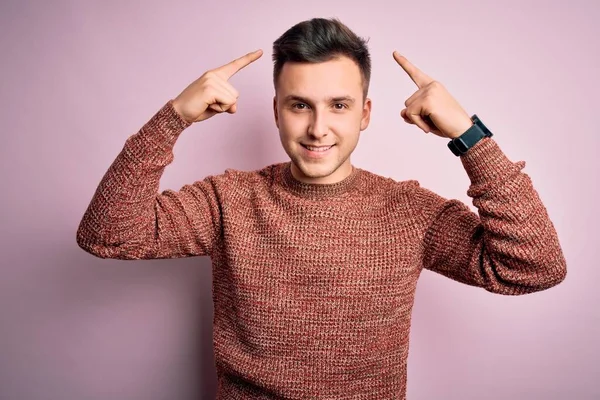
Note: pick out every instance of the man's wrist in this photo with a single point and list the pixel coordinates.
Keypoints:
(460, 145)
(468, 124)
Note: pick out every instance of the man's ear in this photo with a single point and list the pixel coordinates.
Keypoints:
(275, 114)
(366, 114)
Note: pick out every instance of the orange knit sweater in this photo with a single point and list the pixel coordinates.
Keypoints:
(314, 285)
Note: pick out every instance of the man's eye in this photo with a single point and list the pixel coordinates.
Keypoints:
(339, 106)
(299, 106)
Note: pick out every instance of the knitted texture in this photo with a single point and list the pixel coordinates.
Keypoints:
(313, 285)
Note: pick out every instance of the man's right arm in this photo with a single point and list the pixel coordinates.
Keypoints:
(127, 217)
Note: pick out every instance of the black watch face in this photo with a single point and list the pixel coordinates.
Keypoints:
(484, 129)
(461, 145)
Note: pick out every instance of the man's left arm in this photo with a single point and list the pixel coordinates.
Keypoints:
(510, 246)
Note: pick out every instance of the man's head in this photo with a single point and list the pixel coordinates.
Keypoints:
(321, 77)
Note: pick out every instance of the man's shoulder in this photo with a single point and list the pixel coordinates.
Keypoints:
(394, 193)
(384, 185)
(241, 178)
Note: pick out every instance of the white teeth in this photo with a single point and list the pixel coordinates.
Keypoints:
(318, 148)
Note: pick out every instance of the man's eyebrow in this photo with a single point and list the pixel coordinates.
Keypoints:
(330, 99)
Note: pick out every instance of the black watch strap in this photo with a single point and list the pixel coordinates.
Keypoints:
(474, 134)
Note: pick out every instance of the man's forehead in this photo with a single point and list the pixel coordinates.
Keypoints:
(337, 64)
(327, 98)
(334, 78)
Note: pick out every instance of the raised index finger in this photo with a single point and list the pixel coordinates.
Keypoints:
(419, 77)
(228, 70)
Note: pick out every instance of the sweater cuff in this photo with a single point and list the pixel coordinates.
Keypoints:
(158, 136)
(486, 163)
(167, 124)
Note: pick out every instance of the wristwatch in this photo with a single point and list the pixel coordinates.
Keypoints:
(474, 134)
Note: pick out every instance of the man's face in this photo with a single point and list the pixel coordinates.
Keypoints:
(320, 105)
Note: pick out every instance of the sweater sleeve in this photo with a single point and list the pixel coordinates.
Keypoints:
(510, 246)
(127, 217)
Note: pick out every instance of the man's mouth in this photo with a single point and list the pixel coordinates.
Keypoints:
(317, 148)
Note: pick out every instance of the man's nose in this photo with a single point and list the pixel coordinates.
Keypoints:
(318, 127)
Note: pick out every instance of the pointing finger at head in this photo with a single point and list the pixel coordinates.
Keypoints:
(227, 87)
(418, 77)
(228, 70)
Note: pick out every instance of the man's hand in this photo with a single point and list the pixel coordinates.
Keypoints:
(431, 107)
(212, 93)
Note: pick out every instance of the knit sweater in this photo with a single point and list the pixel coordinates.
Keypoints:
(313, 284)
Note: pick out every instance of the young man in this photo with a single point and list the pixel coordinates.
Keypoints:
(315, 261)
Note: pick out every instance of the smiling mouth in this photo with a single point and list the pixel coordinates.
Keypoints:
(317, 148)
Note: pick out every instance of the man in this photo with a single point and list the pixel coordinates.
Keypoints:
(315, 261)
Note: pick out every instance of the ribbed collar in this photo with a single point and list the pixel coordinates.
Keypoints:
(319, 190)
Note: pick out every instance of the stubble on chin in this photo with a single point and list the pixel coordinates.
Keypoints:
(316, 171)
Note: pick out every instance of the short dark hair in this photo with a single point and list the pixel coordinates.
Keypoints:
(319, 40)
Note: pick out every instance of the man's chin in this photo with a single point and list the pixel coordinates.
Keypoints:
(315, 170)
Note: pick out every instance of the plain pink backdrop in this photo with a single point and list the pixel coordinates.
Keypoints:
(78, 78)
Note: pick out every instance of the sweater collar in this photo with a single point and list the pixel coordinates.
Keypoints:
(319, 190)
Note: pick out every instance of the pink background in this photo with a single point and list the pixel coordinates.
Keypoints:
(79, 77)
